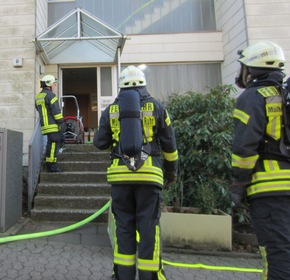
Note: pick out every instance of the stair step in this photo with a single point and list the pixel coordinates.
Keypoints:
(74, 177)
(76, 193)
(80, 148)
(84, 156)
(74, 189)
(70, 202)
(73, 215)
(83, 166)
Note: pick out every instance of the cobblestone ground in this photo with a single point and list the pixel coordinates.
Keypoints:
(45, 260)
(176, 273)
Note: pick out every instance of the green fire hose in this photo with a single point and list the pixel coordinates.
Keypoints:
(7, 239)
(55, 231)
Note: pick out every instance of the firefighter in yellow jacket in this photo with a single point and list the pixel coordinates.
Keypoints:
(137, 180)
(260, 161)
(51, 117)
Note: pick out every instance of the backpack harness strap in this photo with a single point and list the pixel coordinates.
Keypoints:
(148, 148)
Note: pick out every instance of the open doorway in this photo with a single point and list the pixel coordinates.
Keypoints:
(82, 83)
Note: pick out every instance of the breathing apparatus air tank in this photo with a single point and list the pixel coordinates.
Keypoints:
(131, 132)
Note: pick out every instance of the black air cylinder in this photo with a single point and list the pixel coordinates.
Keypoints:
(131, 136)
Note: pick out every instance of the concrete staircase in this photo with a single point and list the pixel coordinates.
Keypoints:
(76, 193)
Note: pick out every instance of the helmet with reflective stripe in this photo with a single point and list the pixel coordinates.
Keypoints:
(49, 80)
(263, 54)
(132, 77)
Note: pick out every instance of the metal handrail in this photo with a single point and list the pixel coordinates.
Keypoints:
(36, 152)
(61, 100)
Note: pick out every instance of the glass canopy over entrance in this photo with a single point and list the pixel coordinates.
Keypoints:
(80, 38)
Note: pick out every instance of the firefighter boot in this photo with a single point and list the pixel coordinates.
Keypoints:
(148, 275)
(121, 272)
(53, 167)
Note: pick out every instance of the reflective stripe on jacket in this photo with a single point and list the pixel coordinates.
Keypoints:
(159, 132)
(256, 159)
(49, 111)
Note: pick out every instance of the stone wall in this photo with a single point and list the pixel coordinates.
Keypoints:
(17, 83)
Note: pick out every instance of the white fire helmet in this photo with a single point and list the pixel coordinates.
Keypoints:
(132, 77)
(263, 54)
(49, 80)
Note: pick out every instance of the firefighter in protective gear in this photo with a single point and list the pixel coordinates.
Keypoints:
(51, 117)
(261, 168)
(136, 195)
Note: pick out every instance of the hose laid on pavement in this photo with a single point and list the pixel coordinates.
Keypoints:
(7, 239)
(55, 231)
(213, 267)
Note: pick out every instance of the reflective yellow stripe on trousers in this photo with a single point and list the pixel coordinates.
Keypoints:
(154, 264)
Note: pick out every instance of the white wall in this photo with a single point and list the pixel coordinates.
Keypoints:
(17, 30)
(174, 48)
(231, 21)
(270, 20)
(244, 22)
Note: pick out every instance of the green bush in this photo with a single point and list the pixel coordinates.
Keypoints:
(203, 124)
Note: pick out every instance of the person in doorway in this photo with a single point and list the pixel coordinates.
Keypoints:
(137, 182)
(51, 118)
(260, 160)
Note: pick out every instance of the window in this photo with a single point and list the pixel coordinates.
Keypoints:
(144, 16)
(163, 80)
(106, 81)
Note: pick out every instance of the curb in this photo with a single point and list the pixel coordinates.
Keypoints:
(15, 228)
(232, 254)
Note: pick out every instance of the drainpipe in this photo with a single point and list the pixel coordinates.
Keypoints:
(245, 22)
(119, 62)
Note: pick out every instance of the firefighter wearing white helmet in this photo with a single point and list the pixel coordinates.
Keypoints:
(132, 77)
(51, 117)
(260, 157)
(48, 81)
(138, 130)
(262, 56)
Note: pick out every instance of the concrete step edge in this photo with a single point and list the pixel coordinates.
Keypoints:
(75, 172)
(76, 197)
(73, 185)
(73, 215)
(82, 151)
(83, 162)
(64, 210)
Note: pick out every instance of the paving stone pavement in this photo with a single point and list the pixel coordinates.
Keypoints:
(86, 254)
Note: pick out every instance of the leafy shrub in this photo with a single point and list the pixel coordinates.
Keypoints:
(203, 124)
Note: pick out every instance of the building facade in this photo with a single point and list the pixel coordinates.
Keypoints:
(185, 45)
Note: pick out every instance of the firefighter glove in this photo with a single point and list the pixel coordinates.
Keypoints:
(238, 192)
(170, 178)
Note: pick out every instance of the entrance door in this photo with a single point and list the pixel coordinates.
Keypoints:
(82, 83)
(94, 87)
